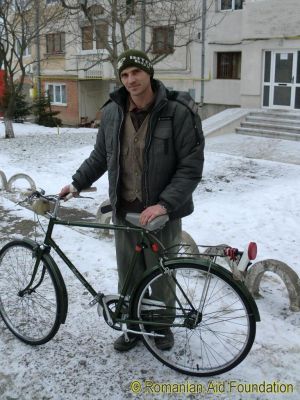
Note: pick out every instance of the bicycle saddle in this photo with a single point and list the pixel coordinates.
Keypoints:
(155, 224)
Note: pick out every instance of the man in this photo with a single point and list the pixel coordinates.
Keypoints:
(151, 143)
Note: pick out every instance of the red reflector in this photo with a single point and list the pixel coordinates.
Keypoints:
(252, 251)
(231, 252)
(138, 248)
(155, 247)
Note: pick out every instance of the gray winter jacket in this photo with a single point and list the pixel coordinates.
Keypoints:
(173, 159)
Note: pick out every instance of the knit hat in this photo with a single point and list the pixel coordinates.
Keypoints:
(135, 58)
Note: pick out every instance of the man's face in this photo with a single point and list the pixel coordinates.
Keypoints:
(136, 81)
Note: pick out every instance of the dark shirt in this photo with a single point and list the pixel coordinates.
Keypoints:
(139, 114)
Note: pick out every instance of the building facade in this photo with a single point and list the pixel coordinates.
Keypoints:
(253, 55)
(250, 54)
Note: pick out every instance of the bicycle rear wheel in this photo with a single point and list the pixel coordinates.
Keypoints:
(208, 342)
(34, 316)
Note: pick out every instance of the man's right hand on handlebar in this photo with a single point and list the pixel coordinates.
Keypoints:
(68, 191)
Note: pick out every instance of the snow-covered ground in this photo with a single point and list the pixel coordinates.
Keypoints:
(247, 194)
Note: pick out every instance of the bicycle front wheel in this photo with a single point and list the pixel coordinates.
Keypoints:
(32, 315)
(209, 317)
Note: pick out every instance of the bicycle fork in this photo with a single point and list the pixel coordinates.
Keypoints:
(38, 253)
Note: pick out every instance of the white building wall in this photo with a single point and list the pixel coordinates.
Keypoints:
(181, 71)
(261, 25)
(226, 35)
(271, 19)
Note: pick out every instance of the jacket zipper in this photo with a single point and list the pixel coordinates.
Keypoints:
(118, 160)
(146, 150)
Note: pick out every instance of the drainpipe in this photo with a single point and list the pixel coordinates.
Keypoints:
(143, 25)
(38, 53)
(203, 30)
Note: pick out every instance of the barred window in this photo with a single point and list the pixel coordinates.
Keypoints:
(229, 65)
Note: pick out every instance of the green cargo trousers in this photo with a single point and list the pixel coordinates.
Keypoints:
(125, 246)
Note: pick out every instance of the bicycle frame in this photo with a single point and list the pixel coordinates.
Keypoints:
(49, 243)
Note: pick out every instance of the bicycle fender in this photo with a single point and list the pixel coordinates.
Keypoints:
(57, 274)
(218, 270)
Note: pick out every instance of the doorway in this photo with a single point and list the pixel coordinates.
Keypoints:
(281, 87)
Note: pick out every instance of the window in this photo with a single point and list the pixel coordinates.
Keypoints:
(95, 9)
(57, 93)
(163, 40)
(231, 4)
(94, 39)
(229, 65)
(55, 43)
(87, 38)
(101, 36)
(25, 52)
(130, 7)
(22, 5)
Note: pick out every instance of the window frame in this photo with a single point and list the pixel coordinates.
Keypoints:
(168, 45)
(87, 42)
(51, 38)
(56, 85)
(26, 52)
(234, 66)
(233, 6)
(96, 42)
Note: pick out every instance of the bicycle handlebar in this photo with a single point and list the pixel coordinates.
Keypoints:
(46, 199)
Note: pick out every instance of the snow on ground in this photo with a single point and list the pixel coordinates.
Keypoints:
(245, 196)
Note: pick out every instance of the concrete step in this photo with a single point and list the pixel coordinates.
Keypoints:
(271, 126)
(277, 114)
(272, 120)
(268, 133)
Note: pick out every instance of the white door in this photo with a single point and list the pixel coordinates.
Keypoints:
(282, 79)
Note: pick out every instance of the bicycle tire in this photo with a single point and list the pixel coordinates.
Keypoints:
(207, 344)
(36, 316)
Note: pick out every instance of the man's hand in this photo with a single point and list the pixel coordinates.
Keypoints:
(152, 212)
(67, 192)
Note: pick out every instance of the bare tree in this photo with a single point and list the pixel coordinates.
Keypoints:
(164, 24)
(20, 29)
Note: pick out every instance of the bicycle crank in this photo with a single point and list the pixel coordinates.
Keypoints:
(106, 309)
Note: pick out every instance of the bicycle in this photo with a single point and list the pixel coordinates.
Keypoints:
(212, 315)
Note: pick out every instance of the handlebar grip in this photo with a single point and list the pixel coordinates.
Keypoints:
(68, 196)
(71, 194)
(90, 189)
